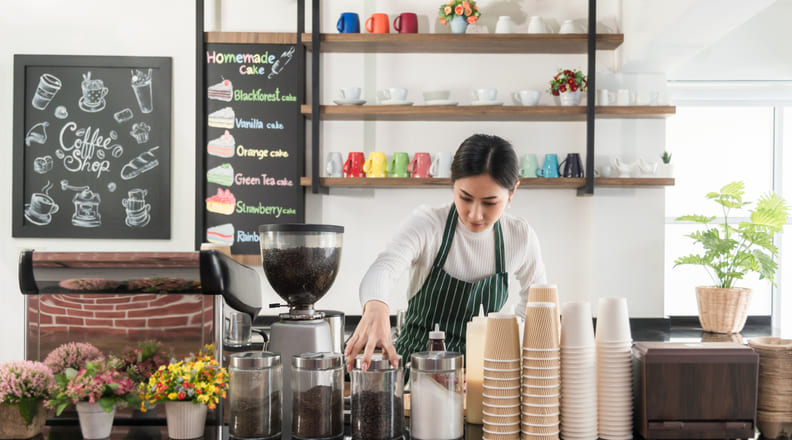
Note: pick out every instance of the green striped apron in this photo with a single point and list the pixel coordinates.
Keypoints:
(451, 302)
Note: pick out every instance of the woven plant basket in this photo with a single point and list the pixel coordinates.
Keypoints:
(723, 310)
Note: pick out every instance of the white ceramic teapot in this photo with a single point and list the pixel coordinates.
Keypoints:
(624, 169)
(648, 169)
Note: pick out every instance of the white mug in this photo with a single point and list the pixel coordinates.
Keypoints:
(605, 97)
(485, 95)
(625, 97)
(527, 97)
(441, 164)
(569, 27)
(350, 93)
(603, 171)
(396, 94)
(505, 25)
(334, 164)
(536, 25)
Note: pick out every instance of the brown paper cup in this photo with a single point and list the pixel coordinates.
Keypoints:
(496, 436)
(528, 390)
(502, 337)
(540, 401)
(498, 410)
(504, 401)
(514, 419)
(541, 327)
(541, 363)
(503, 365)
(533, 411)
(510, 391)
(540, 420)
(541, 371)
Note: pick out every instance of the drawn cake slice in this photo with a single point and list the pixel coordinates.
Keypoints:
(221, 175)
(223, 234)
(221, 203)
(223, 118)
(222, 91)
(222, 146)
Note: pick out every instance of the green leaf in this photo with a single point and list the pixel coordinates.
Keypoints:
(61, 407)
(695, 218)
(733, 189)
(107, 403)
(28, 407)
(691, 259)
(767, 266)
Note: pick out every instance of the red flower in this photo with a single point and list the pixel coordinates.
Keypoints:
(442, 21)
(574, 87)
(182, 395)
(555, 93)
(562, 88)
(459, 10)
(571, 81)
(472, 19)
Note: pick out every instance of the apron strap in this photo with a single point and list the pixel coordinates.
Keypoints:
(500, 258)
(448, 237)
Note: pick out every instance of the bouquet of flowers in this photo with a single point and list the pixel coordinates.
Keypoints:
(196, 378)
(144, 359)
(568, 81)
(463, 8)
(72, 355)
(26, 384)
(99, 382)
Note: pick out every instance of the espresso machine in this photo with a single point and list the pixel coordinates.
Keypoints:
(300, 262)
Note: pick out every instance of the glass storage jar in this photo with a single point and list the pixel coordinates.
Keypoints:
(436, 395)
(377, 399)
(317, 381)
(254, 395)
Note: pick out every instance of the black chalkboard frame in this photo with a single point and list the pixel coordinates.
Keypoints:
(163, 100)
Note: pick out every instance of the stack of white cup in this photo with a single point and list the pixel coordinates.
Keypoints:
(541, 377)
(578, 373)
(614, 369)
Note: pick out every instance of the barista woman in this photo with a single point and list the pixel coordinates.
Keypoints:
(459, 255)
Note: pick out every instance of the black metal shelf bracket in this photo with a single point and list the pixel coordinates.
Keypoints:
(588, 190)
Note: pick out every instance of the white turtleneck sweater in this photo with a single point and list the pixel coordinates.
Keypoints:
(471, 257)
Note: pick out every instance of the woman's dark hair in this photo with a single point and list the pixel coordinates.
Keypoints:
(486, 154)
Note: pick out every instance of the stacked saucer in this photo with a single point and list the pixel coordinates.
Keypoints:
(501, 384)
(578, 373)
(541, 376)
(614, 370)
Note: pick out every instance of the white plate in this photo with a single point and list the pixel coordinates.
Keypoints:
(487, 103)
(349, 101)
(441, 102)
(396, 103)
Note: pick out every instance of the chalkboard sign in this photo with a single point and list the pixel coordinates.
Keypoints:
(252, 154)
(91, 146)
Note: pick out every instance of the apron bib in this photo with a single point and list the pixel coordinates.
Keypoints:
(449, 301)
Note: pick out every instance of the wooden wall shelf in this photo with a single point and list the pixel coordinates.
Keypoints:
(537, 183)
(483, 113)
(251, 37)
(467, 43)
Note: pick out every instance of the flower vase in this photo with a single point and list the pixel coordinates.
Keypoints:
(666, 170)
(458, 24)
(95, 422)
(570, 98)
(13, 425)
(186, 420)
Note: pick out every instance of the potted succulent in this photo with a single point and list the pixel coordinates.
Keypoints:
(24, 388)
(188, 388)
(459, 13)
(567, 85)
(732, 251)
(96, 390)
(666, 167)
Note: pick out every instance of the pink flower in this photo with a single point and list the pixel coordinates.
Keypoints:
(71, 355)
(472, 19)
(447, 10)
(458, 10)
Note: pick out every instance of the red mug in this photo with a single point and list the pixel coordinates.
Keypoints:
(378, 24)
(420, 164)
(406, 23)
(353, 167)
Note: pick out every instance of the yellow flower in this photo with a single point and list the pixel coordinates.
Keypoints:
(173, 396)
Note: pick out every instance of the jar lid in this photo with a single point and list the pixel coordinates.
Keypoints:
(378, 362)
(317, 361)
(254, 360)
(436, 360)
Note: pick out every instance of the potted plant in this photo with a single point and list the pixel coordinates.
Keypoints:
(567, 85)
(142, 360)
(71, 355)
(97, 390)
(24, 388)
(459, 13)
(188, 388)
(666, 167)
(733, 251)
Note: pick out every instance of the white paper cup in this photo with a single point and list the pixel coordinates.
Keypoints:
(613, 320)
(577, 328)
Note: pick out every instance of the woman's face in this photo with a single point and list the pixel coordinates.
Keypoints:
(480, 201)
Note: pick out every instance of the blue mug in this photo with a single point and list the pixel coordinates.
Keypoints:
(550, 166)
(348, 23)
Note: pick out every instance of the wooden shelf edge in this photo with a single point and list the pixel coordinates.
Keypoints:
(525, 183)
(251, 37)
(633, 182)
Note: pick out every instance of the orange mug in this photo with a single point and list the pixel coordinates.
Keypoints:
(378, 24)
(420, 164)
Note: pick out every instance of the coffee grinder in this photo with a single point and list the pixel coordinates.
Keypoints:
(300, 262)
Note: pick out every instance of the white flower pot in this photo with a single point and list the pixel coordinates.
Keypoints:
(666, 170)
(186, 420)
(95, 422)
(570, 98)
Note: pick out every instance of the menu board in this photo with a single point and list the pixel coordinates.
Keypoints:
(253, 157)
(91, 146)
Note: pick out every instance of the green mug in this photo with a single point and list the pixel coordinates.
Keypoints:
(397, 166)
(529, 165)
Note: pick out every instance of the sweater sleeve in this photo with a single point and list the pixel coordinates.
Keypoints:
(414, 241)
(532, 269)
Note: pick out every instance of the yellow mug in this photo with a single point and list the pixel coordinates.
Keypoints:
(376, 165)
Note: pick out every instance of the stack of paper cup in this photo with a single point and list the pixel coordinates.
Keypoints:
(614, 369)
(545, 293)
(578, 373)
(541, 377)
(501, 383)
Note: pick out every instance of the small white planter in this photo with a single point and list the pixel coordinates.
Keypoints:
(95, 422)
(186, 420)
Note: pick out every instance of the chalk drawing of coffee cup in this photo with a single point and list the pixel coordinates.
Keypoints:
(48, 86)
(40, 209)
(93, 94)
(141, 85)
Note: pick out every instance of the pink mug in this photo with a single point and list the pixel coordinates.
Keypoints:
(353, 167)
(406, 23)
(420, 164)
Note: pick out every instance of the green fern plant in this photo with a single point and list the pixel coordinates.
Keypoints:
(731, 252)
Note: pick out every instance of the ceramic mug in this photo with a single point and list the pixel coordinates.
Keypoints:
(605, 97)
(603, 171)
(572, 166)
(527, 97)
(625, 97)
(549, 167)
(569, 27)
(353, 167)
(530, 165)
(378, 24)
(420, 165)
(441, 164)
(334, 165)
(348, 23)
(376, 165)
(485, 95)
(397, 166)
(536, 25)
(350, 93)
(395, 94)
(505, 25)
(406, 23)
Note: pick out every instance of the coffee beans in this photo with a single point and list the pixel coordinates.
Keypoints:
(255, 418)
(318, 413)
(377, 416)
(301, 275)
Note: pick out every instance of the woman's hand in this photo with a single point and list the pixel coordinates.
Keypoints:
(372, 331)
